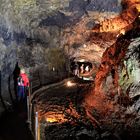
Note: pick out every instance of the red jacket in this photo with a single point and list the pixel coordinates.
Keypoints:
(25, 79)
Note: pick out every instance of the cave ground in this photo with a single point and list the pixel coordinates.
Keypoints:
(13, 124)
(63, 106)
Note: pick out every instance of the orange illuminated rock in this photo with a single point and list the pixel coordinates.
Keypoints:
(128, 15)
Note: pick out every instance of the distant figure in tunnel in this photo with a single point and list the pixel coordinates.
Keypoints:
(82, 69)
(22, 85)
(76, 70)
(87, 69)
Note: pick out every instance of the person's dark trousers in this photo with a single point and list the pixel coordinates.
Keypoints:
(25, 97)
(21, 93)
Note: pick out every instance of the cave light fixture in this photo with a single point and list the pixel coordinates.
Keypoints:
(51, 120)
(122, 32)
(82, 60)
(84, 45)
(70, 84)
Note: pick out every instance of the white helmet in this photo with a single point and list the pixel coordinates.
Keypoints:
(22, 71)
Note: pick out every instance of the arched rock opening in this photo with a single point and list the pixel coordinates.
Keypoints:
(83, 68)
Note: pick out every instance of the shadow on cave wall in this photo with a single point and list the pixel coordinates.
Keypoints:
(16, 73)
(9, 36)
(12, 88)
(1, 98)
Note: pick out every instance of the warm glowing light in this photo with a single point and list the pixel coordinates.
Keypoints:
(138, 7)
(51, 120)
(82, 60)
(55, 117)
(70, 84)
(121, 21)
(84, 45)
(122, 31)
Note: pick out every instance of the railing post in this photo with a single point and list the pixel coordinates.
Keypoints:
(33, 125)
(36, 125)
(37, 131)
(30, 88)
(28, 109)
(29, 106)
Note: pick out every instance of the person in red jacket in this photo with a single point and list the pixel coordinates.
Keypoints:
(23, 84)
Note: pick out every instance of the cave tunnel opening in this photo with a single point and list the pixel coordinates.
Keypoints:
(82, 68)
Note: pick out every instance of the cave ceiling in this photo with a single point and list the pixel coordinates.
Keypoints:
(82, 28)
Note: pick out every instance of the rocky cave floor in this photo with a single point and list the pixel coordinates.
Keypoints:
(63, 116)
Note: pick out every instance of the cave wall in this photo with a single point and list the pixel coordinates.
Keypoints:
(28, 28)
(130, 72)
